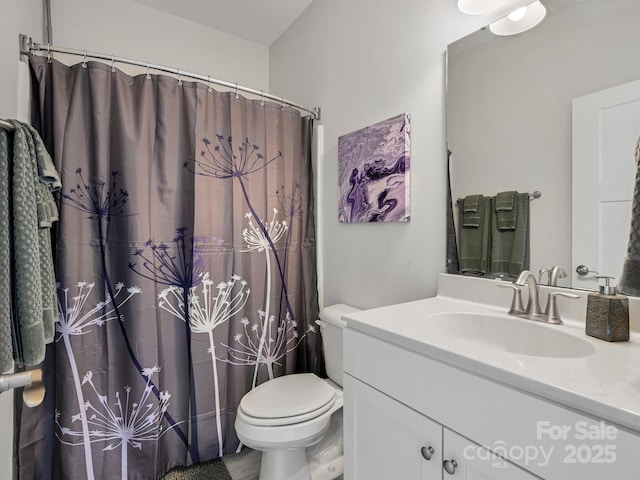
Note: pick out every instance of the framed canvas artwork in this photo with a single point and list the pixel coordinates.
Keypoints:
(373, 172)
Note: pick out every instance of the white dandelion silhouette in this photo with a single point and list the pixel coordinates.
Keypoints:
(207, 311)
(260, 239)
(127, 423)
(279, 341)
(75, 318)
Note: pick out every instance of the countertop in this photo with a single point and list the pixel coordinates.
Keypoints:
(604, 384)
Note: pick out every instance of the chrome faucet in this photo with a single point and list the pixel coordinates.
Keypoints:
(533, 304)
(533, 310)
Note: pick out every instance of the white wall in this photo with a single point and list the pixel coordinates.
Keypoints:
(127, 29)
(363, 61)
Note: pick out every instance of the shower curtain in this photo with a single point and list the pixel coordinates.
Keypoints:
(185, 256)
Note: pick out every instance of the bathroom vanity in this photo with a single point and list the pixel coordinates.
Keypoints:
(449, 387)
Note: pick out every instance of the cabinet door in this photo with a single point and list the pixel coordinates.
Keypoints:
(466, 460)
(386, 440)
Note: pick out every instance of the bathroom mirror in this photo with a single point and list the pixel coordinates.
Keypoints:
(509, 111)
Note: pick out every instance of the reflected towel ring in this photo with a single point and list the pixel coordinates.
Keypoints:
(84, 60)
(48, 53)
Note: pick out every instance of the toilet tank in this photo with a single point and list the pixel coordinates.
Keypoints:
(331, 326)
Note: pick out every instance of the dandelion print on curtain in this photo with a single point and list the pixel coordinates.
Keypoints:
(185, 256)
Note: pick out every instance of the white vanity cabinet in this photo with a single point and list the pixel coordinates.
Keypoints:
(400, 404)
(385, 439)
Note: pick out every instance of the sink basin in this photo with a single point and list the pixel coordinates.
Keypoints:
(508, 334)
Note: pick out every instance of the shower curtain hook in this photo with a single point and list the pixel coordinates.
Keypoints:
(261, 97)
(179, 78)
(283, 103)
(209, 89)
(48, 53)
(148, 72)
(236, 95)
(84, 59)
(113, 63)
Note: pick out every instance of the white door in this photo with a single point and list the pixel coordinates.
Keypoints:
(606, 126)
(386, 440)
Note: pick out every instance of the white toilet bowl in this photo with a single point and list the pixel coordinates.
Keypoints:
(285, 416)
(296, 420)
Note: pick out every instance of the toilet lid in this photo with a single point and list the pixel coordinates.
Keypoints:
(288, 396)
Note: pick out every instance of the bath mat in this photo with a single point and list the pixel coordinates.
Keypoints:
(211, 470)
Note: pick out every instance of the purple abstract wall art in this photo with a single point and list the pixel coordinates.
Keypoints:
(373, 172)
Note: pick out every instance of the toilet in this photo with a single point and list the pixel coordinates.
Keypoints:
(296, 420)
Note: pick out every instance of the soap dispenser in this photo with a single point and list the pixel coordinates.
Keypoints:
(607, 314)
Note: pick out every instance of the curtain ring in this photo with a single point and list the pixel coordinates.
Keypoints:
(48, 53)
(261, 97)
(236, 95)
(148, 72)
(84, 60)
(283, 103)
(179, 78)
(113, 63)
(209, 89)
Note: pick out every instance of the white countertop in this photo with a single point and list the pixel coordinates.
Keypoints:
(605, 384)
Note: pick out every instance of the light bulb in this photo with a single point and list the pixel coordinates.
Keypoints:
(520, 20)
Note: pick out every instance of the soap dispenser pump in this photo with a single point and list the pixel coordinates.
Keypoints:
(607, 313)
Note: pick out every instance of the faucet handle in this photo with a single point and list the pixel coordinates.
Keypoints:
(553, 274)
(541, 272)
(516, 302)
(551, 312)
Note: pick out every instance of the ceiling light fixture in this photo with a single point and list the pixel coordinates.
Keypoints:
(478, 7)
(520, 20)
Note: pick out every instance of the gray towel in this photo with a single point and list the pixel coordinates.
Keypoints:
(630, 279)
(475, 243)
(506, 214)
(6, 343)
(510, 247)
(471, 211)
(29, 300)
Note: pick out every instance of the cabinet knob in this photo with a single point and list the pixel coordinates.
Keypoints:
(427, 452)
(450, 466)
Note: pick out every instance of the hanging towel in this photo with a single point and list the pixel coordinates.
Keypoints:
(630, 279)
(6, 342)
(510, 247)
(475, 238)
(32, 305)
(506, 215)
(470, 211)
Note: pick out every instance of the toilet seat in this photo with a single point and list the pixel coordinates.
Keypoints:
(287, 400)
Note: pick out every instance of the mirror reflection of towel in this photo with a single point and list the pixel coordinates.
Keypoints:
(506, 214)
(510, 246)
(471, 216)
(475, 236)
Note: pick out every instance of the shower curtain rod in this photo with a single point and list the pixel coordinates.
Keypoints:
(27, 46)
